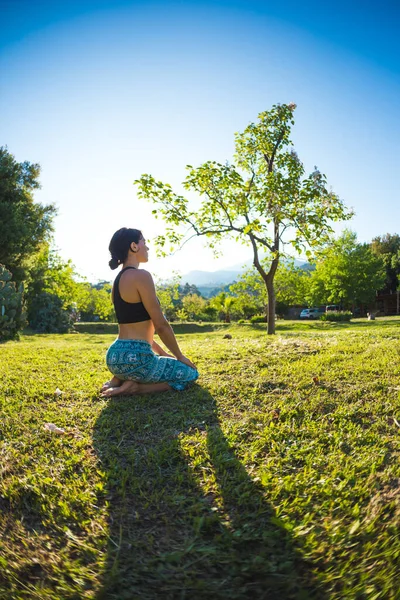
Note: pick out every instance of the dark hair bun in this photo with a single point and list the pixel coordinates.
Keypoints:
(114, 263)
(120, 245)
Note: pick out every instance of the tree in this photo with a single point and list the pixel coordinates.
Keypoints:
(24, 224)
(48, 272)
(291, 287)
(257, 201)
(188, 289)
(388, 248)
(93, 301)
(347, 273)
(224, 304)
(291, 283)
(250, 294)
(50, 276)
(194, 306)
(51, 291)
(12, 314)
(168, 296)
(47, 315)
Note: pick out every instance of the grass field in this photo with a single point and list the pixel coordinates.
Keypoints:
(276, 476)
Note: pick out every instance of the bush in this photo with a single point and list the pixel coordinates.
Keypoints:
(209, 314)
(258, 319)
(281, 309)
(336, 315)
(12, 316)
(205, 317)
(46, 314)
(181, 314)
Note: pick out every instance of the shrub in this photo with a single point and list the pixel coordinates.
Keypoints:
(206, 317)
(336, 315)
(258, 319)
(181, 314)
(209, 314)
(46, 314)
(12, 315)
(281, 309)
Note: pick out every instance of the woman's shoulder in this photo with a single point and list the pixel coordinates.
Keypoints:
(138, 275)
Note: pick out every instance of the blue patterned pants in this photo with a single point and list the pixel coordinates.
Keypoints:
(135, 360)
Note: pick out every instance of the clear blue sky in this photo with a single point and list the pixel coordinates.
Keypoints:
(99, 92)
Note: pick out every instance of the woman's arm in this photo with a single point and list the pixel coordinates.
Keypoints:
(147, 293)
(160, 351)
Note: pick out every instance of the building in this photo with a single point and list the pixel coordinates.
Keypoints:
(388, 304)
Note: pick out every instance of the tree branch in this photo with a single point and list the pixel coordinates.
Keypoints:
(263, 242)
(250, 184)
(255, 237)
(306, 237)
(282, 232)
(270, 161)
(275, 151)
(206, 231)
(223, 208)
(256, 261)
(198, 234)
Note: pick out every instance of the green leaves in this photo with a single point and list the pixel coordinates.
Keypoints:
(24, 223)
(266, 186)
(262, 200)
(388, 248)
(347, 272)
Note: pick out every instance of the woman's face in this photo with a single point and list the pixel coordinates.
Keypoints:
(142, 251)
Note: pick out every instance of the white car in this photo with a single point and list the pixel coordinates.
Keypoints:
(310, 313)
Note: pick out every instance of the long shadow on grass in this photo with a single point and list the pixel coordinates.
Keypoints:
(171, 539)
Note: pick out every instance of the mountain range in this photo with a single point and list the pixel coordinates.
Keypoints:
(208, 281)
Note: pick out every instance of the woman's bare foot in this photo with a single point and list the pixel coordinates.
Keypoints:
(128, 388)
(114, 382)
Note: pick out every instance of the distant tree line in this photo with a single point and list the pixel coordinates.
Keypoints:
(37, 287)
(345, 273)
(40, 289)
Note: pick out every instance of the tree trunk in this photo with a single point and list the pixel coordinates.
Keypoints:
(271, 306)
(269, 284)
(269, 277)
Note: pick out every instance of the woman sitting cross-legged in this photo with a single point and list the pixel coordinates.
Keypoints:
(138, 363)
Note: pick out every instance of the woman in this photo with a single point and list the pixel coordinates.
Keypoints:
(138, 363)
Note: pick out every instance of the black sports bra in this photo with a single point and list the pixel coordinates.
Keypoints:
(128, 312)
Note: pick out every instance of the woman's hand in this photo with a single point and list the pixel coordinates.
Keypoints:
(183, 359)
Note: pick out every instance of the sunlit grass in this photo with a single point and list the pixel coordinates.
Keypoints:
(276, 476)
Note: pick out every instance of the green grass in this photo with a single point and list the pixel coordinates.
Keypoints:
(261, 481)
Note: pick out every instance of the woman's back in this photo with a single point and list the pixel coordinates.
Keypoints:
(134, 321)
